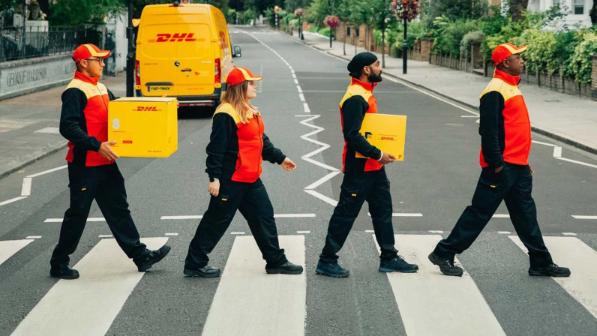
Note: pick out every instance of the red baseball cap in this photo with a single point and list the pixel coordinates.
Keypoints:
(238, 75)
(87, 50)
(505, 50)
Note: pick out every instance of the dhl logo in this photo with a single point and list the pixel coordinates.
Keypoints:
(147, 108)
(176, 37)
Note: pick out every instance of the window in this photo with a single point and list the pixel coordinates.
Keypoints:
(579, 7)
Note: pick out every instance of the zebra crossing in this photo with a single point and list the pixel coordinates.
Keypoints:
(249, 302)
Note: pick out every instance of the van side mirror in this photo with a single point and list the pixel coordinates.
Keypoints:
(236, 51)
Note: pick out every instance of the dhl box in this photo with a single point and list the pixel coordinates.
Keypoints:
(143, 126)
(386, 132)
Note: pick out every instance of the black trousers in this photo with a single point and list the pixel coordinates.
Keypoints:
(373, 187)
(105, 184)
(254, 204)
(513, 185)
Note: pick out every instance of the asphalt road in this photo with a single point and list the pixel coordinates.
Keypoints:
(298, 99)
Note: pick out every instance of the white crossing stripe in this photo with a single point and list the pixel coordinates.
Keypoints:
(87, 306)
(583, 217)
(89, 219)
(250, 302)
(182, 217)
(8, 248)
(581, 259)
(48, 130)
(501, 216)
(434, 304)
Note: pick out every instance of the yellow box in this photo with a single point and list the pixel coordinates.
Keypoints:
(143, 126)
(386, 132)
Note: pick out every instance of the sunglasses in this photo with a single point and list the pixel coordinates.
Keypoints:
(99, 60)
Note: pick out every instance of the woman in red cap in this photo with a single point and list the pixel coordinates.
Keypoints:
(236, 148)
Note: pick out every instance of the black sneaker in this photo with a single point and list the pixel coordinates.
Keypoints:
(145, 262)
(445, 265)
(64, 272)
(285, 268)
(331, 269)
(397, 264)
(552, 270)
(203, 272)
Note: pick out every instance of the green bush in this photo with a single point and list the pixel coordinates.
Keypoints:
(326, 31)
(541, 49)
(581, 61)
(469, 38)
(447, 34)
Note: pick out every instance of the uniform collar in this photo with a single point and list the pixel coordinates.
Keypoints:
(83, 77)
(365, 85)
(506, 77)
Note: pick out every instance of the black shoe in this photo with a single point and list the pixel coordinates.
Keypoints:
(145, 262)
(552, 270)
(397, 264)
(64, 272)
(203, 272)
(445, 265)
(332, 270)
(285, 268)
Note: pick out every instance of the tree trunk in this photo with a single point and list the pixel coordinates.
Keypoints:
(593, 13)
(517, 8)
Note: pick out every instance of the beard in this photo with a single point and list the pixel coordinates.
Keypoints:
(374, 78)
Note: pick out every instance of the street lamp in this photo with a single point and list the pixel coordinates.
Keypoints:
(331, 21)
(299, 12)
(130, 56)
(406, 10)
(277, 10)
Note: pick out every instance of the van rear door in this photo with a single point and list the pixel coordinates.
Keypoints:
(176, 58)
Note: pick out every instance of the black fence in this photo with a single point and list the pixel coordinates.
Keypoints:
(39, 41)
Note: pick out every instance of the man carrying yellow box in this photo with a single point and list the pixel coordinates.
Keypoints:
(364, 176)
(92, 170)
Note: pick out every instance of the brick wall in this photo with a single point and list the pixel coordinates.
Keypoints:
(594, 76)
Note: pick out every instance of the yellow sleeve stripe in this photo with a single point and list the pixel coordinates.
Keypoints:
(88, 89)
(506, 90)
(229, 110)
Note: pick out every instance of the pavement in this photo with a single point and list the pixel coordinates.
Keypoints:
(564, 117)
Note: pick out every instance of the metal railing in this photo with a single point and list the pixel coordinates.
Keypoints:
(39, 41)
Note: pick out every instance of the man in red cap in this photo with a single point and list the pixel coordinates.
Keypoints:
(505, 131)
(92, 170)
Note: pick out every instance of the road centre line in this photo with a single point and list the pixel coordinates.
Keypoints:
(584, 217)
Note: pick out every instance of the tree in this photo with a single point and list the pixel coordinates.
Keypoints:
(78, 12)
(517, 8)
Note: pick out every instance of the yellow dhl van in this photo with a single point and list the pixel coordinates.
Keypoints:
(183, 51)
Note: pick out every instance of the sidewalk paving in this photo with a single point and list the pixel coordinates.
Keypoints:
(567, 118)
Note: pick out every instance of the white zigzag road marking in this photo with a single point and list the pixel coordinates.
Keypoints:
(27, 184)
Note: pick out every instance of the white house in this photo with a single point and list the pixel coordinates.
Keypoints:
(578, 10)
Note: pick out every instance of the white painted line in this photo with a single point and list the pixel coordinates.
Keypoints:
(369, 231)
(322, 197)
(88, 305)
(403, 214)
(299, 215)
(237, 233)
(26, 187)
(583, 217)
(572, 234)
(89, 219)
(504, 232)
(181, 217)
(12, 200)
(105, 236)
(304, 115)
(436, 231)
(48, 130)
(578, 162)
(296, 81)
(306, 108)
(171, 234)
(8, 248)
(322, 180)
(300, 90)
(500, 216)
(33, 237)
(581, 259)
(303, 232)
(557, 152)
(47, 171)
(302, 97)
(263, 305)
(469, 116)
(464, 310)
(543, 143)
